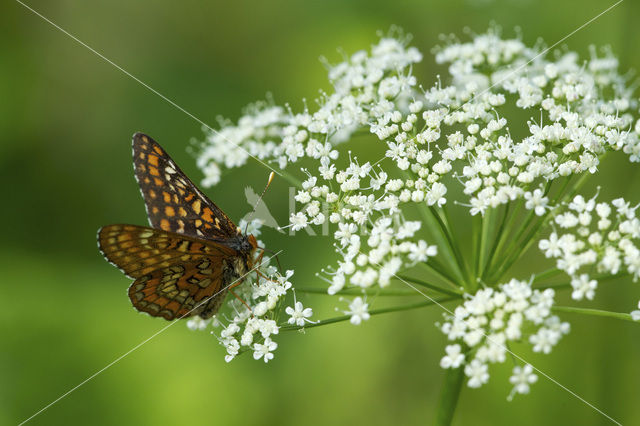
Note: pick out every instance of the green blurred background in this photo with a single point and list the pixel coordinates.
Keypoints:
(66, 118)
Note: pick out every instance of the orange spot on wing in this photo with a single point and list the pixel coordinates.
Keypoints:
(189, 197)
(166, 196)
(154, 171)
(164, 224)
(196, 206)
(158, 150)
(169, 211)
(182, 211)
(153, 160)
(152, 193)
(158, 182)
(207, 214)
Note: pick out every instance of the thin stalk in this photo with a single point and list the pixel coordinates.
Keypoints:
(440, 237)
(528, 240)
(371, 312)
(355, 291)
(432, 265)
(429, 285)
(444, 223)
(503, 238)
(498, 241)
(567, 283)
(511, 247)
(523, 247)
(546, 274)
(487, 227)
(449, 395)
(432, 222)
(476, 243)
(594, 312)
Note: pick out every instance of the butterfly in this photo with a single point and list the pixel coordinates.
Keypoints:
(192, 254)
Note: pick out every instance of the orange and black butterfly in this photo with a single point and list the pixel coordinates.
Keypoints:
(192, 254)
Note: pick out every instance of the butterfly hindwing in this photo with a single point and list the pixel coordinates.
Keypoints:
(173, 202)
(176, 275)
(179, 291)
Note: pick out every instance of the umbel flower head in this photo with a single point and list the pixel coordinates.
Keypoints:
(505, 140)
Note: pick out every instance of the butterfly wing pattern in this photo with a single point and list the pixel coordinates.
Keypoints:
(184, 264)
(173, 202)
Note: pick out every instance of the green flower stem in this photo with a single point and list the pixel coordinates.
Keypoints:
(432, 265)
(594, 312)
(546, 274)
(356, 291)
(456, 247)
(567, 283)
(517, 248)
(476, 223)
(488, 224)
(522, 248)
(449, 395)
(505, 230)
(441, 240)
(446, 231)
(429, 285)
(371, 312)
(558, 286)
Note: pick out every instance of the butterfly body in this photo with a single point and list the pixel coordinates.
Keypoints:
(186, 262)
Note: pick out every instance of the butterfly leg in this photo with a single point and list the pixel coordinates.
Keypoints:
(260, 274)
(275, 255)
(240, 299)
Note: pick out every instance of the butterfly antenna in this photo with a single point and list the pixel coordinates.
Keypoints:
(271, 175)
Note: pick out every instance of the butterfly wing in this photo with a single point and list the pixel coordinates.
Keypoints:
(175, 275)
(179, 291)
(173, 202)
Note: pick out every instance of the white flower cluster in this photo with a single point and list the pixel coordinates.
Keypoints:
(365, 87)
(446, 135)
(487, 321)
(461, 136)
(254, 324)
(593, 236)
(378, 257)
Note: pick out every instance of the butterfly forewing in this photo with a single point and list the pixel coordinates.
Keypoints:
(173, 202)
(138, 250)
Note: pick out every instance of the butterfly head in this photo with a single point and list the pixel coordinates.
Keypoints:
(245, 244)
